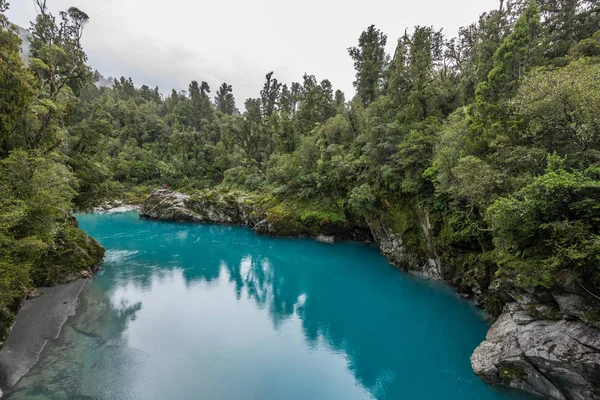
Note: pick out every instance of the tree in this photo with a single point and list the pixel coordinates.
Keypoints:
(340, 98)
(412, 80)
(57, 55)
(370, 62)
(559, 108)
(316, 103)
(16, 83)
(517, 54)
(201, 107)
(550, 225)
(270, 94)
(224, 100)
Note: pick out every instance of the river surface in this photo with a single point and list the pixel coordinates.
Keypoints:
(184, 311)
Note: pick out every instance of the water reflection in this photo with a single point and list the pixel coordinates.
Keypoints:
(182, 310)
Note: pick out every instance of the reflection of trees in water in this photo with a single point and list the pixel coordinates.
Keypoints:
(261, 271)
(337, 300)
(100, 318)
(326, 310)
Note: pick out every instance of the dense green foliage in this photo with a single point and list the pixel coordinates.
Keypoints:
(39, 240)
(494, 134)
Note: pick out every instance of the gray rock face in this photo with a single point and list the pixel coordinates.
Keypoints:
(392, 246)
(556, 359)
(325, 239)
(212, 207)
(114, 206)
(173, 206)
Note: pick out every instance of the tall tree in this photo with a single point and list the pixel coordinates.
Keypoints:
(56, 51)
(411, 74)
(340, 98)
(224, 100)
(269, 94)
(201, 108)
(16, 88)
(517, 54)
(370, 61)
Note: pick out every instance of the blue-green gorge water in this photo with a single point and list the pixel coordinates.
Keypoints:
(184, 311)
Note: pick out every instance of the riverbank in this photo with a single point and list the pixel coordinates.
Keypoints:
(544, 341)
(39, 320)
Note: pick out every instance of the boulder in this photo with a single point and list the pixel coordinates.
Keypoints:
(557, 359)
(325, 238)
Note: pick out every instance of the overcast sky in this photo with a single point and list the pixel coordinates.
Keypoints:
(169, 43)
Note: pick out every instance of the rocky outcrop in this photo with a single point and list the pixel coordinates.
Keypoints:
(546, 342)
(173, 206)
(114, 206)
(230, 208)
(555, 359)
(392, 245)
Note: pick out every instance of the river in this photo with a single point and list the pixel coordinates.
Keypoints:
(186, 311)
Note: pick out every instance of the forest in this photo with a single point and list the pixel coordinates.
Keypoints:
(495, 133)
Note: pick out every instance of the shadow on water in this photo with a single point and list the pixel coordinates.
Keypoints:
(207, 288)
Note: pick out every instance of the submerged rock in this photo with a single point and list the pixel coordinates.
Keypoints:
(326, 239)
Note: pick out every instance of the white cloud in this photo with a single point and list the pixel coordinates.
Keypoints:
(167, 44)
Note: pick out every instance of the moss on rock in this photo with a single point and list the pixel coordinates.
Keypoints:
(510, 373)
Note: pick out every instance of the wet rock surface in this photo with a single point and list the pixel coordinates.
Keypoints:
(39, 320)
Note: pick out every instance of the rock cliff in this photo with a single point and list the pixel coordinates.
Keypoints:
(546, 342)
(173, 206)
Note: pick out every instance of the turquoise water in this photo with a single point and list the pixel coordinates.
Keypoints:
(183, 311)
